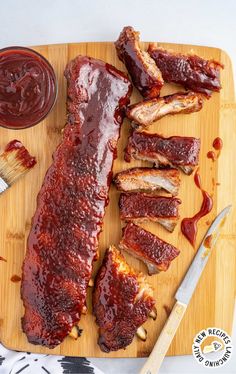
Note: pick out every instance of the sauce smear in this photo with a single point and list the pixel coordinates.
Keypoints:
(189, 225)
(208, 241)
(167, 310)
(15, 278)
(3, 259)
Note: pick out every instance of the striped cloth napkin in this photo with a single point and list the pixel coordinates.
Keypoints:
(12, 362)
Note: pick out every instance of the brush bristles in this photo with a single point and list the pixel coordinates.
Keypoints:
(11, 168)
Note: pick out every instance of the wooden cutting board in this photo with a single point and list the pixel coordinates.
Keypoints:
(213, 301)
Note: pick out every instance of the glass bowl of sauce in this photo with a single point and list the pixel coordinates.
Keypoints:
(28, 87)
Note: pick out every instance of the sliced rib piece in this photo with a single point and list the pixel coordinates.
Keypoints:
(146, 112)
(191, 71)
(145, 74)
(63, 240)
(176, 151)
(122, 301)
(147, 179)
(154, 252)
(139, 207)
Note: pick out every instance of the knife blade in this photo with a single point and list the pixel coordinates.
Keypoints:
(184, 294)
(189, 283)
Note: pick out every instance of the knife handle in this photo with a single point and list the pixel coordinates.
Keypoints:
(154, 361)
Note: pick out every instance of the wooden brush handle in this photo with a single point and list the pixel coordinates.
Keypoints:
(154, 361)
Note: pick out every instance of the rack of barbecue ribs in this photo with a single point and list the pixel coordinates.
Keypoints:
(148, 180)
(139, 207)
(176, 151)
(122, 301)
(144, 113)
(153, 251)
(63, 240)
(144, 72)
(191, 71)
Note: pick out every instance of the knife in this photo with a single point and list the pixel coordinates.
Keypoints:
(184, 294)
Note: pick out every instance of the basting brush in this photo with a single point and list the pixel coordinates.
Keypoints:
(15, 161)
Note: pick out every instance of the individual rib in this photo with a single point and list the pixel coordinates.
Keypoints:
(122, 301)
(63, 240)
(176, 151)
(191, 71)
(145, 74)
(146, 112)
(148, 179)
(139, 207)
(153, 251)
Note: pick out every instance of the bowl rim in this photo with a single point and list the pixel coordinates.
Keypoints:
(40, 56)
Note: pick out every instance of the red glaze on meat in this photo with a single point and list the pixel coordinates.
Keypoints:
(140, 207)
(122, 301)
(63, 240)
(145, 74)
(153, 251)
(176, 151)
(191, 71)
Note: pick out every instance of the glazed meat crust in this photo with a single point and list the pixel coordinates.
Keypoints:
(153, 251)
(139, 207)
(148, 180)
(144, 113)
(145, 74)
(63, 240)
(191, 71)
(122, 301)
(176, 151)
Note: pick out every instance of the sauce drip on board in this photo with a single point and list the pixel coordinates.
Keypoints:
(15, 278)
(217, 145)
(189, 225)
(27, 87)
(3, 259)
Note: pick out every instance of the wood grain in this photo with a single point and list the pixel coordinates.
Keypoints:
(212, 304)
(155, 359)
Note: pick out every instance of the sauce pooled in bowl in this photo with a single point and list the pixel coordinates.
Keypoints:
(28, 87)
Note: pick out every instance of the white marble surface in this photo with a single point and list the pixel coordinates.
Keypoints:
(202, 22)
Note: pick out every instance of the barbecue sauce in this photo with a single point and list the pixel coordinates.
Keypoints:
(217, 145)
(191, 71)
(15, 278)
(189, 225)
(208, 241)
(211, 155)
(27, 87)
(118, 302)
(22, 155)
